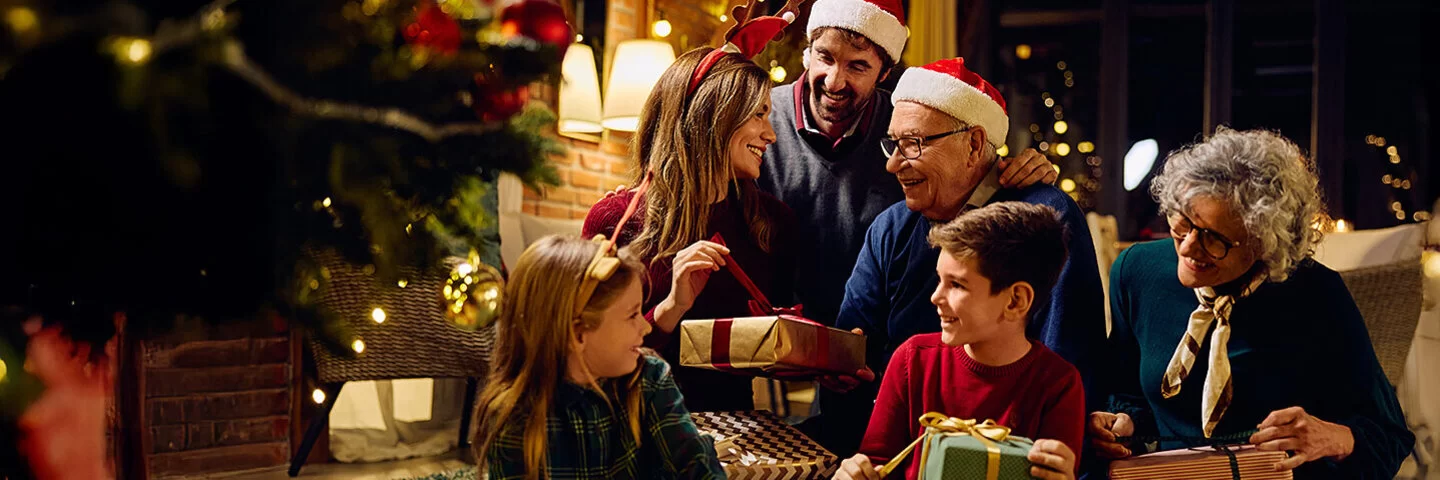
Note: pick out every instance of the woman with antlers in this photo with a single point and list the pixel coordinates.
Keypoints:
(700, 142)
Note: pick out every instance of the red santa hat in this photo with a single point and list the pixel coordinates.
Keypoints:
(882, 21)
(949, 87)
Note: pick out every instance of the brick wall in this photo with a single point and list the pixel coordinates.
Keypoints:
(587, 171)
(217, 403)
(591, 168)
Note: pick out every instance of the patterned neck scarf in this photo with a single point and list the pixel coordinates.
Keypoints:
(1214, 309)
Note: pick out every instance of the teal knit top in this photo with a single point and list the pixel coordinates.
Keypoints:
(1301, 342)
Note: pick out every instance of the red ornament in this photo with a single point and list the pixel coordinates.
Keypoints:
(434, 29)
(494, 102)
(541, 20)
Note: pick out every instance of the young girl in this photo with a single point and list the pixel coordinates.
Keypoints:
(571, 394)
(700, 139)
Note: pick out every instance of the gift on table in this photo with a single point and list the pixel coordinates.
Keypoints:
(1203, 463)
(960, 449)
(757, 444)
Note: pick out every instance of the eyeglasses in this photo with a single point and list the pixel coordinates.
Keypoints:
(1214, 244)
(910, 147)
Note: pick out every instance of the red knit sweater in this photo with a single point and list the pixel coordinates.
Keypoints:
(1038, 396)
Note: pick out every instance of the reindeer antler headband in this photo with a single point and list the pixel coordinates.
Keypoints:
(747, 37)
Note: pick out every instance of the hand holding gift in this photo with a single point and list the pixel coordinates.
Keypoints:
(1051, 460)
(845, 383)
(857, 467)
(1310, 438)
(1104, 429)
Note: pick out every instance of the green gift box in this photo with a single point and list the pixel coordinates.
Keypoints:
(958, 449)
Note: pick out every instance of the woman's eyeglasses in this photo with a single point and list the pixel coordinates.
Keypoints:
(1214, 244)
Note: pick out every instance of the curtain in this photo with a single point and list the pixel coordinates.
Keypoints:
(934, 31)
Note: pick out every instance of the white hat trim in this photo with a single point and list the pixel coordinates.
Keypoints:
(864, 18)
(956, 98)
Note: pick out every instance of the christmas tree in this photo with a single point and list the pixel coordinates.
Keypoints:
(175, 161)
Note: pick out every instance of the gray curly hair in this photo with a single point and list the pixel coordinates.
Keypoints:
(1264, 177)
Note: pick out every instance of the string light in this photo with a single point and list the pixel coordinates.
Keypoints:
(1022, 51)
(378, 315)
(3, 369)
(661, 28)
(1061, 65)
(778, 74)
(318, 396)
(1342, 226)
(1391, 150)
(1432, 263)
(1034, 128)
(1049, 102)
(724, 18)
(402, 283)
(1061, 127)
(1003, 150)
(465, 268)
(1067, 185)
(132, 50)
(1085, 147)
(1385, 179)
(1056, 167)
(325, 202)
(21, 19)
(1062, 149)
(1044, 146)
(358, 346)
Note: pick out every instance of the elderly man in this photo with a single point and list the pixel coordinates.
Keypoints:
(946, 125)
(826, 163)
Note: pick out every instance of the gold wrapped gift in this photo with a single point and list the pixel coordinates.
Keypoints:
(955, 448)
(782, 346)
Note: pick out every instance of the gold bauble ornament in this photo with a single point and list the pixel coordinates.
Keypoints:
(471, 294)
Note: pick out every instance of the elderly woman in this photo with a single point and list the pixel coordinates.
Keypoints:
(1232, 328)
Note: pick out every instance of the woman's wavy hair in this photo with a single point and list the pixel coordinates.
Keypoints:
(683, 140)
(1264, 177)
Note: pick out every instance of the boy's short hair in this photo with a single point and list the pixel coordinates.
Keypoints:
(1011, 242)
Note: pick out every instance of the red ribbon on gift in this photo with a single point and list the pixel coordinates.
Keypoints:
(759, 306)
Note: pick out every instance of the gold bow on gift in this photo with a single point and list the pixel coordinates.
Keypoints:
(935, 423)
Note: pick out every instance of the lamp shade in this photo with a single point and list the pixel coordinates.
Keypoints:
(579, 92)
(637, 66)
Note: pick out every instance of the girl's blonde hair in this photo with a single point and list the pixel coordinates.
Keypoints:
(537, 329)
(683, 139)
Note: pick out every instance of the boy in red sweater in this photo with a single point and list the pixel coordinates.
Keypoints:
(998, 262)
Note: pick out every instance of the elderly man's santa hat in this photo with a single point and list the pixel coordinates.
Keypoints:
(949, 87)
(882, 21)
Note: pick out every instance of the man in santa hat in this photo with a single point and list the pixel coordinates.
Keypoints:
(941, 146)
(826, 163)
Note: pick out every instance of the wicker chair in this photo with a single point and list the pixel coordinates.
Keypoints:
(415, 340)
(1390, 299)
